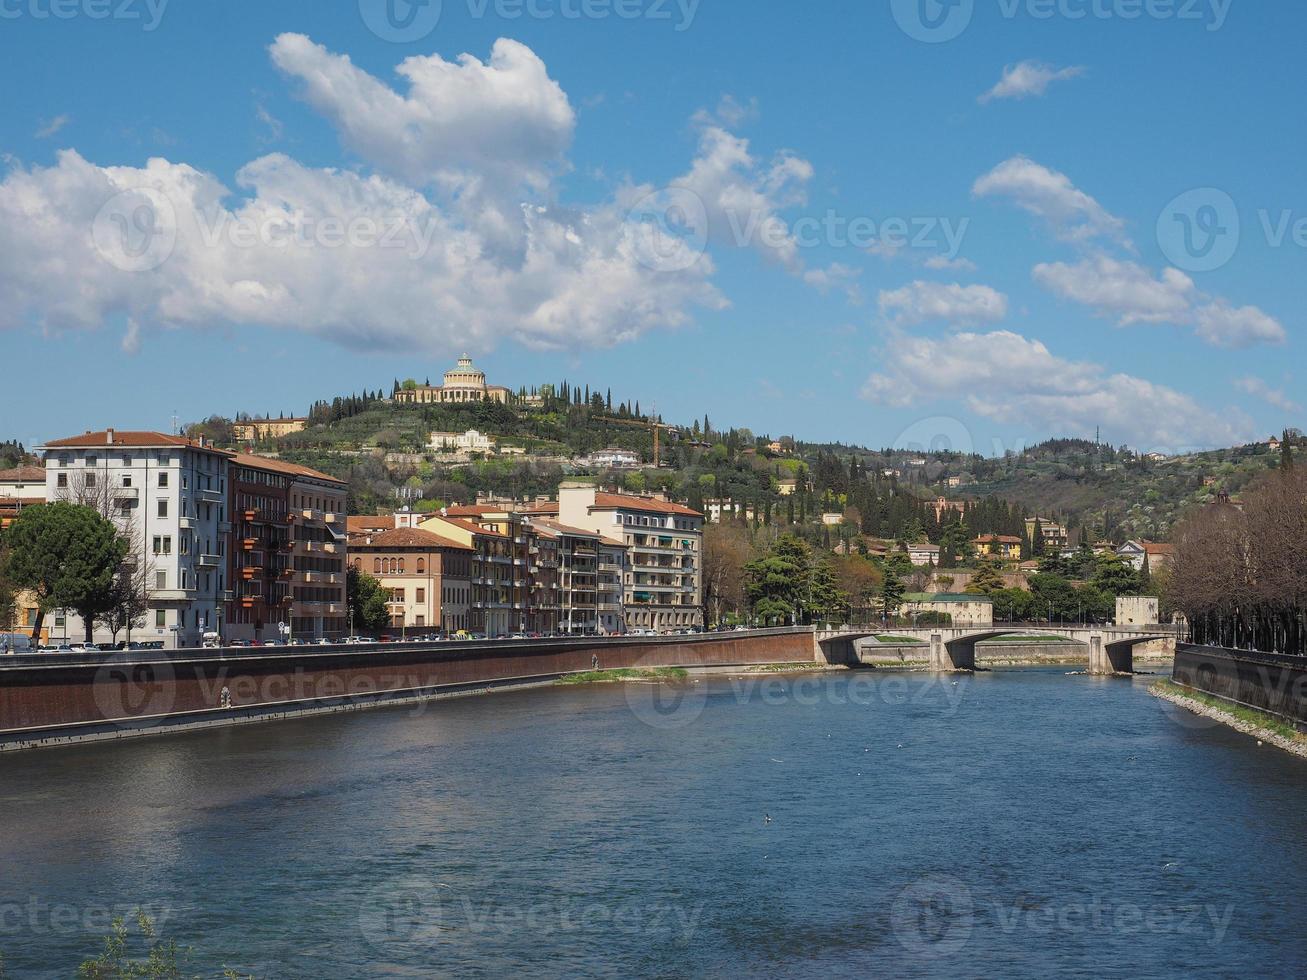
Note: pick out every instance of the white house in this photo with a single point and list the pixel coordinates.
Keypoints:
(470, 441)
(614, 458)
(923, 554)
(168, 494)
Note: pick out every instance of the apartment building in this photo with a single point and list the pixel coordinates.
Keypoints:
(589, 586)
(499, 561)
(20, 487)
(287, 559)
(663, 578)
(428, 577)
(168, 496)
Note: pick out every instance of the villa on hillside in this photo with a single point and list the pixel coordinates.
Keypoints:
(462, 384)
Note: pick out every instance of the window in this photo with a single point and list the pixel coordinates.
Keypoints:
(422, 597)
(161, 579)
(163, 508)
(422, 566)
(90, 480)
(61, 480)
(160, 618)
(163, 479)
(376, 565)
(127, 479)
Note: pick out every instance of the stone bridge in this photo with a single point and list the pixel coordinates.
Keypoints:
(1111, 648)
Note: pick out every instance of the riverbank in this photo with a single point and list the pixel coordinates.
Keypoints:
(1249, 721)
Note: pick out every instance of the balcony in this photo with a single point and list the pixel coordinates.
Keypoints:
(250, 571)
(312, 514)
(211, 496)
(126, 493)
(209, 561)
(186, 523)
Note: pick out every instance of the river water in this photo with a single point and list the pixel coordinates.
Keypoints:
(1018, 822)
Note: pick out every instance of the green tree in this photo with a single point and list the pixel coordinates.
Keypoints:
(778, 582)
(1116, 576)
(826, 599)
(988, 580)
(891, 591)
(367, 601)
(68, 556)
(8, 592)
(1054, 597)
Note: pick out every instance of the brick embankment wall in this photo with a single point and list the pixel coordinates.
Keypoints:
(50, 698)
(1269, 682)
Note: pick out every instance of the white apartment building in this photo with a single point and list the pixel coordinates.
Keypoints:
(168, 494)
(663, 586)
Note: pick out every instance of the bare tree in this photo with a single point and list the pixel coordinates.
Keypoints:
(134, 584)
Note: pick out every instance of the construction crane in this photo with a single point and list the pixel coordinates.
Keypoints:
(655, 426)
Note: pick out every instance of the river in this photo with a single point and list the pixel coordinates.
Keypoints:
(1020, 822)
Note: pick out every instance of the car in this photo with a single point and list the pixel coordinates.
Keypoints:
(322, 641)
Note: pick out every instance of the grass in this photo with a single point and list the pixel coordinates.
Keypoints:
(1237, 711)
(891, 638)
(786, 668)
(624, 674)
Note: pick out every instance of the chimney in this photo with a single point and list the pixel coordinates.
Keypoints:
(108, 437)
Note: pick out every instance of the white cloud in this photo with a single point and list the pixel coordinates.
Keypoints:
(1223, 325)
(1071, 213)
(953, 303)
(466, 124)
(1275, 397)
(1122, 289)
(1013, 379)
(1128, 292)
(944, 264)
(49, 127)
(1028, 78)
(449, 254)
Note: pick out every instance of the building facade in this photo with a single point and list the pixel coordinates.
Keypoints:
(168, 496)
(1004, 546)
(19, 488)
(288, 554)
(462, 384)
(262, 430)
(962, 609)
(428, 577)
(663, 579)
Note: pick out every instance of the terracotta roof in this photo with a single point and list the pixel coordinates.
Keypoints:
(565, 529)
(998, 538)
(23, 474)
(355, 524)
(112, 438)
(281, 466)
(470, 526)
(409, 537)
(1153, 548)
(476, 510)
(615, 501)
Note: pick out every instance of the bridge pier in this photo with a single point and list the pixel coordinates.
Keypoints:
(948, 657)
(1108, 659)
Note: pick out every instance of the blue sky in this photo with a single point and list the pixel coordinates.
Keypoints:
(691, 175)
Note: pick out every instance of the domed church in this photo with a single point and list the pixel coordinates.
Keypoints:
(463, 383)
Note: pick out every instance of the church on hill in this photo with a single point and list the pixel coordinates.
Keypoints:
(463, 383)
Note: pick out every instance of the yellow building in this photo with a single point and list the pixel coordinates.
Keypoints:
(261, 430)
(1003, 546)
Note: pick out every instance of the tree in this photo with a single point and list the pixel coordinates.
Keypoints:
(826, 600)
(891, 591)
(726, 551)
(67, 555)
(778, 583)
(987, 581)
(1115, 576)
(127, 604)
(1037, 548)
(367, 601)
(859, 579)
(8, 593)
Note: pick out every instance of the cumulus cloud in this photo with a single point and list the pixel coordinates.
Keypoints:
(365, 261)
(1014, 379)
(943, 263)
(951, 302)
(452, 235)
(1072, 214)
(1275, 397)
(1122, 289)
(1130, 293)
(1027, 79)
(464, 124)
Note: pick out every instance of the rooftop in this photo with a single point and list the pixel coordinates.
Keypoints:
(23, 474)
(281, 466)
(114, 438)
(622, 501)
(407, 537)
